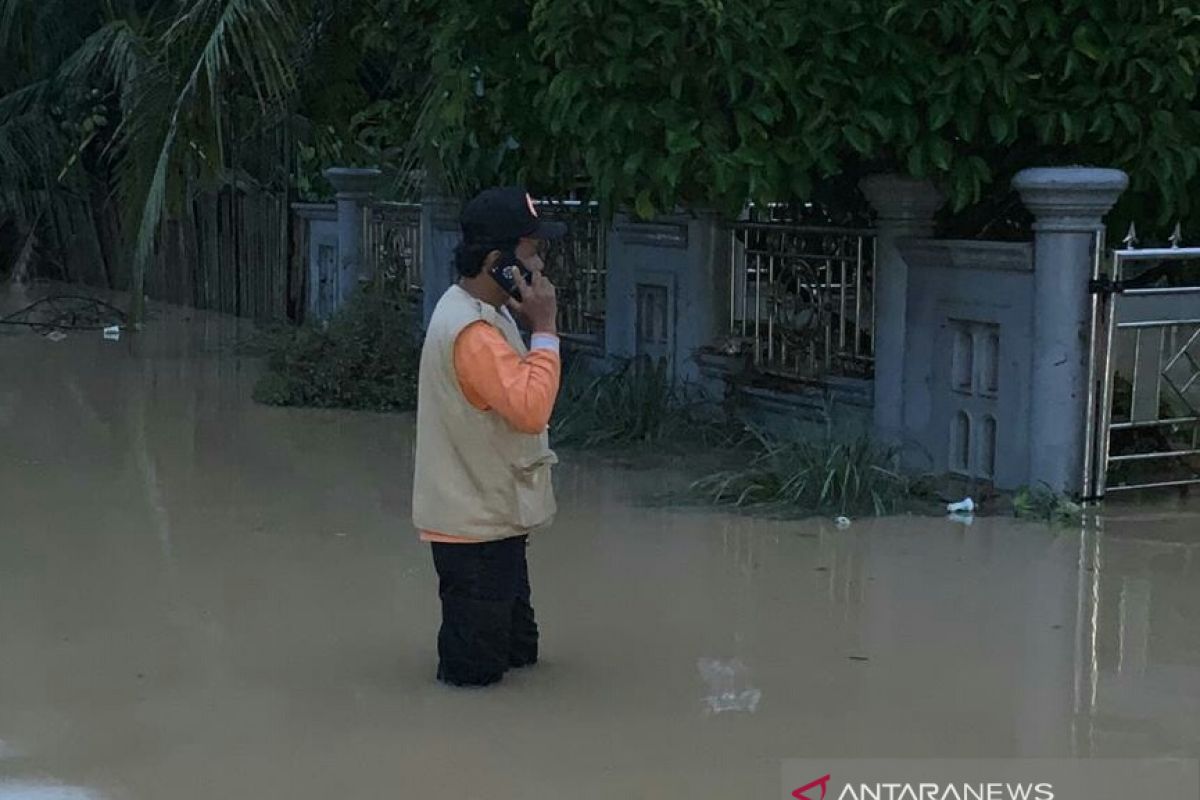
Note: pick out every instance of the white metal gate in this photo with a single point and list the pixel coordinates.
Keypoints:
(1144, 430)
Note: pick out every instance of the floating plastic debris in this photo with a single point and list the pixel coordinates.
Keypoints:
(964, 506)
(728, 681)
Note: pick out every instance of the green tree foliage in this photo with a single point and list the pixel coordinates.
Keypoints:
(646, 103)
(710, 102)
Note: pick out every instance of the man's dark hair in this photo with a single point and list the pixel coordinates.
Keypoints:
(469, 256)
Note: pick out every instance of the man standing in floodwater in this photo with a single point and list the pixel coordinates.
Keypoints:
(483, 461)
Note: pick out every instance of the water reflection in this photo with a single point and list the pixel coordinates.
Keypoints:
(35, 790)
(1137, 678)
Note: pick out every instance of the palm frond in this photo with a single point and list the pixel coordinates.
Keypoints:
(21, 100)
(8, 21)
(30, 145)
(116, 52)
(421, 152)
(258, 32)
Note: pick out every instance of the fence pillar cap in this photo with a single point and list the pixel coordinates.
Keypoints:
(900, 198)
(353, 182)
(1069, 198)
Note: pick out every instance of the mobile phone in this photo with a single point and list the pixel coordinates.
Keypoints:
(504, 272)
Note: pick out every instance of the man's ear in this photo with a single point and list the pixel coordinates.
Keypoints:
(490, 260)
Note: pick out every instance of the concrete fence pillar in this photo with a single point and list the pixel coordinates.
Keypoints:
(355, 187)
(440, 236)
(667, 288)
(320, 276)
(1069, 204)
(904, 207)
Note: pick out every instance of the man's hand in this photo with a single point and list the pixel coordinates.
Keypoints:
(538, 303)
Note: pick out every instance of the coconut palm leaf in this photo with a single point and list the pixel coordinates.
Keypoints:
(217, 37)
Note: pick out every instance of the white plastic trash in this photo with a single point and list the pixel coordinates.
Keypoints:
(728, 682)
(842, 523)
(112, 332)
(56, 336)
(964, 506)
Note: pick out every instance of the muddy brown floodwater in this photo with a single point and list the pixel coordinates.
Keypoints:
(205, 598)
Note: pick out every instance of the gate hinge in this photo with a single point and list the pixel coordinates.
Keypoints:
(1105, 285)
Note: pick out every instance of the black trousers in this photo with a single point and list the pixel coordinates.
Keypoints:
(487, 620)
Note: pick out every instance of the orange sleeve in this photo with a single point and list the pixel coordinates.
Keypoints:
(493, 376)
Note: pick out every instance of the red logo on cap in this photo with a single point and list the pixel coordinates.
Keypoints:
(529, 202)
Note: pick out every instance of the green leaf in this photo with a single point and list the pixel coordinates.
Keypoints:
(981, 19)
(1072, 65)
(677, 85)
(1085, 42)
(1000, 126)
(681, 142)
(725, 48)
(644, 205)
(939, 153)
(879, 122)
(980, 169)
(940, 113)
(1128, 117)
(763, 112)
(909, 126)
(1102, 124)
(945, 15)
(977, 81)
(630, 167)
(858, 138)
(1068, 126)
(966, 120)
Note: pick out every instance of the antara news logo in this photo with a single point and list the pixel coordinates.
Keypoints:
(816, 790)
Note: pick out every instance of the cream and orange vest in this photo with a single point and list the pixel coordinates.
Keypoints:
(475, 475)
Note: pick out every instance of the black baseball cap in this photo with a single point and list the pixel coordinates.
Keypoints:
(506, 214)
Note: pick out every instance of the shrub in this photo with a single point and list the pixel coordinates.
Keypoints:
(366, 357)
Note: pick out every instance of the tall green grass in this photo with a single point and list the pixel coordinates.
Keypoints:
(819, 475)
(637, 404)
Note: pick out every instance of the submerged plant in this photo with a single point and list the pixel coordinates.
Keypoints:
(821, 475)
(637, 404)
(1042, 502)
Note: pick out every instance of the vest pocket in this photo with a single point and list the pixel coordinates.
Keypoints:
(535, 490)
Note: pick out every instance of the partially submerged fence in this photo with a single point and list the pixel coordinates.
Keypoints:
(228, 254)
(801, 298)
